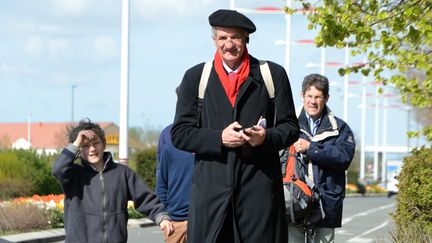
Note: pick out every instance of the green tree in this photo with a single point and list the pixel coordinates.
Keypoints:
(24, 172)
(396, 37)
(146, 165)
(147, 135)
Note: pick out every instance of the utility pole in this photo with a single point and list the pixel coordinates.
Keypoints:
(124, 84)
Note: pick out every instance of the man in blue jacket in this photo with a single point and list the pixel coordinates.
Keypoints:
(328, 144)
(173, 184)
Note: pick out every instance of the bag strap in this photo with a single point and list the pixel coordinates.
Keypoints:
(268, 80)
(292, 202)
(204, 79)
(202, 87)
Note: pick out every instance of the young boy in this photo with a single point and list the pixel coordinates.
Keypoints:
(97, 190)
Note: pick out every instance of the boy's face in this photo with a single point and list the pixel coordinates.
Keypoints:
(92, 150)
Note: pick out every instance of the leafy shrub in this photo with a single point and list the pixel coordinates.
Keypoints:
(55, 218)
(146, 165)
(15, 176)
(410, 233)
(134, 214)
(40, 171)
(24, 173)
(414, 201)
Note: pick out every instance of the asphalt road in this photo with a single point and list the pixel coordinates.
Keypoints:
(366, 219)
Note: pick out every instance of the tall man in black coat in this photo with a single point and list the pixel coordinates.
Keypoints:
(237, 193)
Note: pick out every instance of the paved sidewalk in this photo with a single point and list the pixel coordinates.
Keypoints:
(55, 235)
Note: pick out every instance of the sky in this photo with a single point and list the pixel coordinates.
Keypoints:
(50, 46)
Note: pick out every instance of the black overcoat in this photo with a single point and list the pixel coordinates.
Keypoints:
(246, 179)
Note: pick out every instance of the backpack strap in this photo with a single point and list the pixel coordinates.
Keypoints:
(268, 80)
(292, 203)
(202, 87)
(204, 79)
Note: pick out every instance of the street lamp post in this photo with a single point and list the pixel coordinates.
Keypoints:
(72, 101)
(124, 84)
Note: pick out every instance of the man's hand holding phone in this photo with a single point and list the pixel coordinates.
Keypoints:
(231, 137)
(255, 135)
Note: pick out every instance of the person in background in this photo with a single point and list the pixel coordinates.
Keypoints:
(328, 144)
(173, 185)
(237, 192)
(97, 190)
(164, 138)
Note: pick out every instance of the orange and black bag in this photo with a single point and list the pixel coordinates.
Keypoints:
(302, 198)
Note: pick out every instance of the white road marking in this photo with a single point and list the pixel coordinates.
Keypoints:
(365, 213)
(343, 232)
(358, 237)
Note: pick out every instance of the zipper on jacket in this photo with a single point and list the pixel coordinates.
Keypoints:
(105, 237)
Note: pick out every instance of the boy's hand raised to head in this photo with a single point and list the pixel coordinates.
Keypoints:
(167, 227)
(83, 134)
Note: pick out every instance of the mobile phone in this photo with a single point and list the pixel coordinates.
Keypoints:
(262, 122)
(238, 129)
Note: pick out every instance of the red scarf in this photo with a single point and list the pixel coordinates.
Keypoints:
(232, 86)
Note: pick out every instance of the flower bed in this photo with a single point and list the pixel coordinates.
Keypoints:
(49, 201)
(26, 214)
(374, 189)
(32, 213)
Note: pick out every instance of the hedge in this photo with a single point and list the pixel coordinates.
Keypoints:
(24, 173)
(414, 201)
(145, 165)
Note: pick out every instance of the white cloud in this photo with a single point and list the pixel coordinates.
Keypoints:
(6, 68)
(58, 46)
(61, 78)
(105, 47)
(34, 46)
(53, 47)
(70, 7)
(155, 9)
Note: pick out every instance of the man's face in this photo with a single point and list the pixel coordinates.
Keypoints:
(92, 151)
(230, 44)
(314, 102)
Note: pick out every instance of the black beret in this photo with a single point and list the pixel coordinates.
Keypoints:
(231, 18)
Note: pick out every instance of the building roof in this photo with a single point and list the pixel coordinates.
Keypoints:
(42, 135)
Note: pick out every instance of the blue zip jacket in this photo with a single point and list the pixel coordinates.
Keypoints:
(331, 151)
(174, 181)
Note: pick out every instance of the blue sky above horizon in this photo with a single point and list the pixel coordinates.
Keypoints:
(50, 45)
